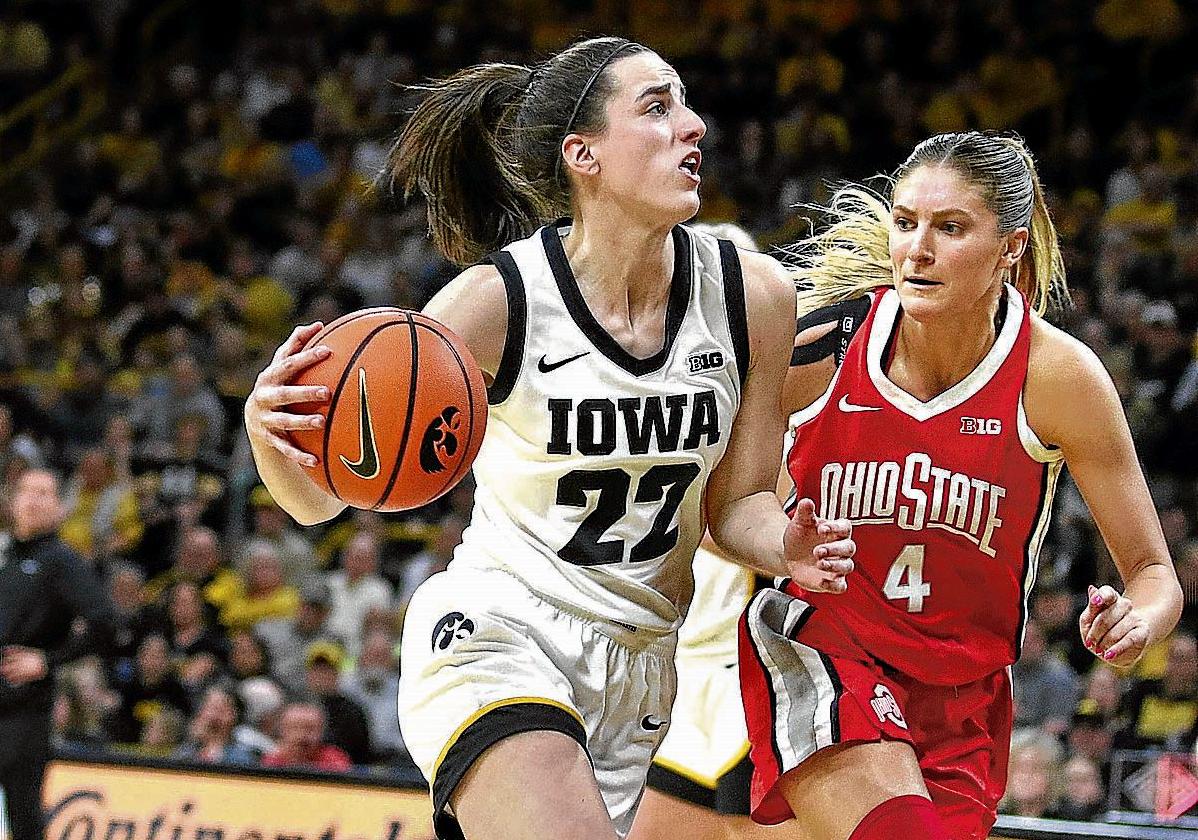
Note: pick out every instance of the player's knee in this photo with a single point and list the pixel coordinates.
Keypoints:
(902, 818)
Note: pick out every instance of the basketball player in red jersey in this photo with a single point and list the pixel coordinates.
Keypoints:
(934, 410)
(634, 369)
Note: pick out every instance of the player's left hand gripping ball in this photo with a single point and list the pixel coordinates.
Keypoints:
(406, 413)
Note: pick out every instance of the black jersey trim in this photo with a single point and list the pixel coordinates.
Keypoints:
(567, 284)
(734, 302)
(478, 737)
(729, 796)
(849, 314)
(837, 693)
(517, 323)
(1025, 591)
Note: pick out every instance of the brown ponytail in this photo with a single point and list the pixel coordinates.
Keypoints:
(484, 145)
(453, 151)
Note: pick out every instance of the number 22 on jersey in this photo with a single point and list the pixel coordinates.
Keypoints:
(665, 483)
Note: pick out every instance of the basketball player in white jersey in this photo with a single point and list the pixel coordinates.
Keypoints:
(698, 786)
(634, 372)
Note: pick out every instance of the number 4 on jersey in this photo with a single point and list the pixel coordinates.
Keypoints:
(909, 563)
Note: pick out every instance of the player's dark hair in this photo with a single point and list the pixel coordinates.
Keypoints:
(484, 146)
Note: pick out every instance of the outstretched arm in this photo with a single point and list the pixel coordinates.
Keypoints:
(1071, 403)
(744, 515)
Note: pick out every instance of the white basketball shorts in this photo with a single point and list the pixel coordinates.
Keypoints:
(485, 658)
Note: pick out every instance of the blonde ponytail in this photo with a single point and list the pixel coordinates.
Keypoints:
(848, 257)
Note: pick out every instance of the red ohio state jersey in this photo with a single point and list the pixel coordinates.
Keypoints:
(950, 500)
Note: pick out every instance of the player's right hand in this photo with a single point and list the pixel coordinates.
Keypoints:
(819, 552)
(266, 419)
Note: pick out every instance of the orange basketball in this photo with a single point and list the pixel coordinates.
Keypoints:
(406, 413)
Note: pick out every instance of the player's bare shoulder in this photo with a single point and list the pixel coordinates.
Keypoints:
(1066, 383)
(474, 305)
(769, 300)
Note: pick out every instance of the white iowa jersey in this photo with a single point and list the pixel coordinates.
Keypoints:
(592, 474)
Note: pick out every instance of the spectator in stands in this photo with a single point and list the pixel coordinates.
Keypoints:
(288, 639)
(347, 726)
(263, 701)
(18, 450)
(1033, 785)
(1083, 794)
(273, 525)
(153, 685)
(1090, 736)
(266, 593)
(210, 734)
(135, 619)
(162, 733)
(200, 559)
(197, 650)
(1046, 689)
(81, 706)
(1164, 712)
(373, 685)
(189, 396)
(248, 656)
(356, 589)
(1187, 575)
(301, 741)
(1103, 688)
(102, 519)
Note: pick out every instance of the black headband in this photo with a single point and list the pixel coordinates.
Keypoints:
(586, 89)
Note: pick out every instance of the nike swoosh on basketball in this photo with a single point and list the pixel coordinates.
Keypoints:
(545, 367)
(651, 723)
(367, 465)
(849, 407)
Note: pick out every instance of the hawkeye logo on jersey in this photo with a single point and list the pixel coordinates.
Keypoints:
(981, 426)
(594, 426)
(869, 492)
(705, 361)
(886, 707)
(451, 628)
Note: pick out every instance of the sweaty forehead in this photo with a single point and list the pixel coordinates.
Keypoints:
(643, 70)
(936, 188)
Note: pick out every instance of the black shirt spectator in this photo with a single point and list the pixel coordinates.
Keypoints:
(44, 589)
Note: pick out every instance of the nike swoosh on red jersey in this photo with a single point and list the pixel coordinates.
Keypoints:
(849, 407)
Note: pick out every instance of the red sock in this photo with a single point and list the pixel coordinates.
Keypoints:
(902, 818)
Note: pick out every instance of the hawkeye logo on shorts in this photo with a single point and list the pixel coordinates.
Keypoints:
(451, 628)
(886, 707)
(440, 441)
(705, 361)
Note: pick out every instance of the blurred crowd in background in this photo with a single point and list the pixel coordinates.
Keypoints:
(182, 182)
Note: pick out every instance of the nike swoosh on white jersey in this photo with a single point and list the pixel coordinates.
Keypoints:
(849, 407)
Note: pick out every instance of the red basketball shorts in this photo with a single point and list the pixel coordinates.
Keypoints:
(807, 686)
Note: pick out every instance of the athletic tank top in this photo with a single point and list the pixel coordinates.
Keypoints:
(592, 473)
(950, 501)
